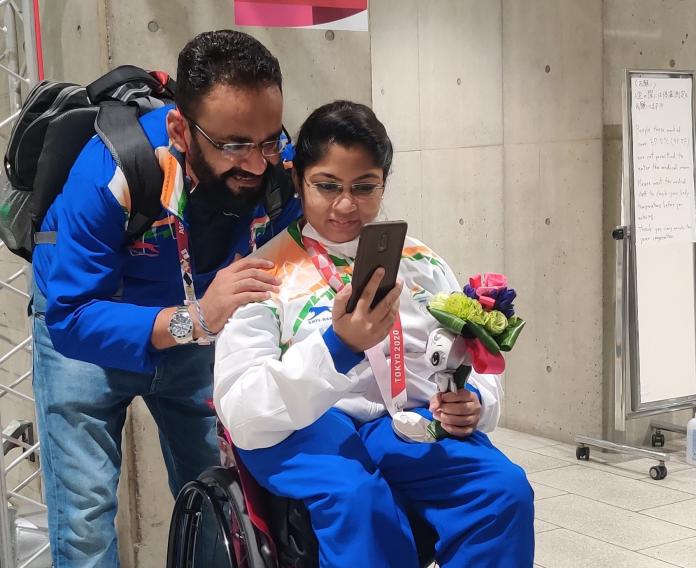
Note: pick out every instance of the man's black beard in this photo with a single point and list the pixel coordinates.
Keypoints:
(217, 196)
(212, 191)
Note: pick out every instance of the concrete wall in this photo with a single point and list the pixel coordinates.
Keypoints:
(504, 115)
(75, 39)
(495, 109)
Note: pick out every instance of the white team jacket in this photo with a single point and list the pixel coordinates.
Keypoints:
(275, 372)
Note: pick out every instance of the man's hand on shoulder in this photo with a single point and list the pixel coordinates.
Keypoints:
(244, 281)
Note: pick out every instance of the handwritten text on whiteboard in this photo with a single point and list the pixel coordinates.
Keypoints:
(663, 159)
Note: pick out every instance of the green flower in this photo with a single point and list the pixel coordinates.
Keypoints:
(496, 322)
(465, 308)
(438, 301)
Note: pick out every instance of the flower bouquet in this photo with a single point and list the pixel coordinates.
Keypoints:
(484, 315)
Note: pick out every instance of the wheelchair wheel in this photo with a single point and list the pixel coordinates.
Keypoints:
(210, 526)
(242, 533)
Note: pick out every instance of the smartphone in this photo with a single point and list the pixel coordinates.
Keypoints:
(381, 244)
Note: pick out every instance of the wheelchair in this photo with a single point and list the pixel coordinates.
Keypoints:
(224, 519)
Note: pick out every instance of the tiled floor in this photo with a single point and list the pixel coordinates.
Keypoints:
(606, 512)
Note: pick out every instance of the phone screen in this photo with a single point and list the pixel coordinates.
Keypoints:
(381, 244)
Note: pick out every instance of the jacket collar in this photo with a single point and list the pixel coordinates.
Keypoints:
(346, 250)
(176, 184)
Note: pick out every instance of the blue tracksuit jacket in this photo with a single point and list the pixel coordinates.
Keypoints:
(103, 293)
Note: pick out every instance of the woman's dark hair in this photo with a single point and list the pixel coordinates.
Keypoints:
(222, 57)
(347, 124)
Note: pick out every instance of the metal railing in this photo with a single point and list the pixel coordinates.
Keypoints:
(21, 64)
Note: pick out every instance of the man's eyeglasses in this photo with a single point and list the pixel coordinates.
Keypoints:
(240, 150)
(362, 191)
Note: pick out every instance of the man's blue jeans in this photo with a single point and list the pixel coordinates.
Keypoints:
(81, 410)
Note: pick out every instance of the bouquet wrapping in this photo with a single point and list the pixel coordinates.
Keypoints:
(483, 314)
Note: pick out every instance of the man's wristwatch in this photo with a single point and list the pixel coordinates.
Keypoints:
(181, 325)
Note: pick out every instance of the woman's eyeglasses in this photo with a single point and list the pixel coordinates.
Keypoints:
(362, 191)
(240, 150)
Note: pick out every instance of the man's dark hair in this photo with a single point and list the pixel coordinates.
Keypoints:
(222, 57)
(347, 124)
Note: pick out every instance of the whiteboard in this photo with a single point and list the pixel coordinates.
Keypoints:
(662, 211)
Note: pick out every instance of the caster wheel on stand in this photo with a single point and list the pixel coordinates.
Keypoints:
(658, 472)
(582, 453)
(658, 440)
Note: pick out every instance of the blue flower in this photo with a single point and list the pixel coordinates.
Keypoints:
(471, 292)
(503, 301)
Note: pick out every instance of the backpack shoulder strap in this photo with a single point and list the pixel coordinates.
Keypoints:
(280, 191)
(118, 127)
(103, 88)
(129, 82)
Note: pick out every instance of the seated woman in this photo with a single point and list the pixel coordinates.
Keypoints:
(299, 397)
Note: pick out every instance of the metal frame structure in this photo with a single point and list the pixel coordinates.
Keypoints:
(627, 403)
(21, 62)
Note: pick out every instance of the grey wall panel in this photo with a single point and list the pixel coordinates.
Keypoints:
(552, 78)
(639, 35)
(395, 74)
(463, 208)
(553, 256)
(74, 39)
(403, 198)
(460, 73)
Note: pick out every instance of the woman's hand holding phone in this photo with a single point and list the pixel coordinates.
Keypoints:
(365, 327)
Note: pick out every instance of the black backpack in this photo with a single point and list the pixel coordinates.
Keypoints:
(56, 122)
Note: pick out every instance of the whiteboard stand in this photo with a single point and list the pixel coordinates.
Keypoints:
(655, 342)
(621, 371)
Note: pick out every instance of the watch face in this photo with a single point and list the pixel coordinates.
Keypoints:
(180, 325)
